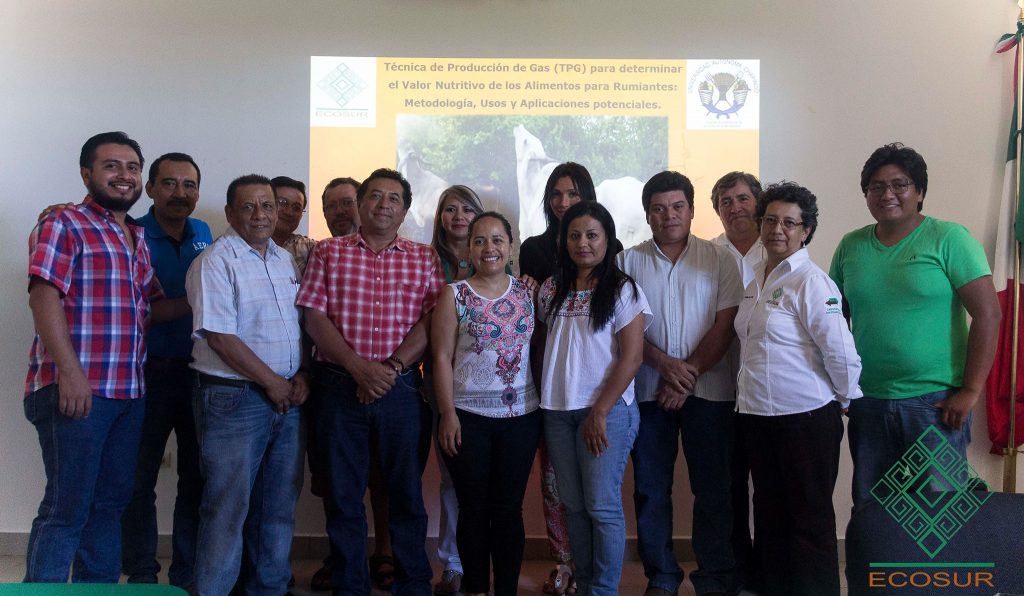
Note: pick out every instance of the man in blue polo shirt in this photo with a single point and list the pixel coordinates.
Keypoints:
(174, 240)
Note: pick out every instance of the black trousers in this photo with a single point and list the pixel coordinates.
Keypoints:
(794, 461)
(490, 472)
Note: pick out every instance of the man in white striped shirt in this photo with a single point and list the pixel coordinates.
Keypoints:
(250, 378)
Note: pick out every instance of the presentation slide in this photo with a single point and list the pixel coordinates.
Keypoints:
(500, 126)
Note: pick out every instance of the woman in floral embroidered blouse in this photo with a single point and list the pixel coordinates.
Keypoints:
(489, 422)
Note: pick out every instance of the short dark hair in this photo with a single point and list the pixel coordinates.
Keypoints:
(248, 179)
(390, 175)
(732, 179)
(154, 167)
(666, 181)
(581, 180)
(899, 155)
(338, 182)
(791, 192)
(88, 154)
(286, 182)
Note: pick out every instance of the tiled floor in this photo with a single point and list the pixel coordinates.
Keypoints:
(12, 569)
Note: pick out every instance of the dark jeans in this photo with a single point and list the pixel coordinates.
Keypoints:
(707, 429)
(344, 428)
(794, 460)
(742, 543)
(168, 407)
(490, 472)
(89, 464)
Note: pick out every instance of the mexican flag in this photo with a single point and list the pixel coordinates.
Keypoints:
(1010, 231)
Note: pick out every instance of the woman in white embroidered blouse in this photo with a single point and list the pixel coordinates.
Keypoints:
(798, 371)
(594, 317)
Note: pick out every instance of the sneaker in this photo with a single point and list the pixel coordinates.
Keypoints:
(450, 583)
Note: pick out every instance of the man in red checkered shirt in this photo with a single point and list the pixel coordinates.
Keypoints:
(90, 286)
(366, 297)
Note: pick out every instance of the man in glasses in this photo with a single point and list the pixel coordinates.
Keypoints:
(339, 202)
(909, 281)
(291, 204)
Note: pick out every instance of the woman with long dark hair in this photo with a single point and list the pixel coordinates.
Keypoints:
(568, 184)
(593, 318)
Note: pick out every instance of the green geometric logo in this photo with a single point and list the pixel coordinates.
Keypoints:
(931, 491)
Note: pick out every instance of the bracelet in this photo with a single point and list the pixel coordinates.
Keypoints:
(394, 365)
(398, 361)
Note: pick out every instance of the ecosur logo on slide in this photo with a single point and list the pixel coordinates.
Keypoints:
(343, 92)
(931, 492)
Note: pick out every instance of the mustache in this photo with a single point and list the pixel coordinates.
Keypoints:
(178, 203)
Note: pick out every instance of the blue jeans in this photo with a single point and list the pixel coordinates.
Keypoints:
(708, 431)
(881, 431)
(591, 489)
(252, 462)
(344, 427)
(89, 465)
(168, 407)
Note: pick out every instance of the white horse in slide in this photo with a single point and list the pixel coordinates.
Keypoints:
(533, 167)
(426, 190)
(621, 196)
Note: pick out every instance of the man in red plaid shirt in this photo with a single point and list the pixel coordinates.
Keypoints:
(90, 286)
(366, 297)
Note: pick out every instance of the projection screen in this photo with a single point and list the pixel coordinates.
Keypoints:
(500, 125)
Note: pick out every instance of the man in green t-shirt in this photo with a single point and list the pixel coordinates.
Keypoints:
(909, 281)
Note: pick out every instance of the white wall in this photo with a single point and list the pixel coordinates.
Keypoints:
(227, 82)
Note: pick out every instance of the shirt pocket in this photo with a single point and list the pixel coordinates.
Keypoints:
(407, 301)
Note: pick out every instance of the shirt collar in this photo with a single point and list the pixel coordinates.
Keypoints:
(241, 247)
(107, 214)
(154, 230)
(682, 255)
(792, 263)
(356, 239)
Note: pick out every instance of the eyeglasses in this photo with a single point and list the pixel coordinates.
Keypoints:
(283, 204)
(898, 187)
(343, 204)
(787, 224)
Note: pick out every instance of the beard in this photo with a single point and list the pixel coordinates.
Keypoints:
(113, 203)
(340, 227)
